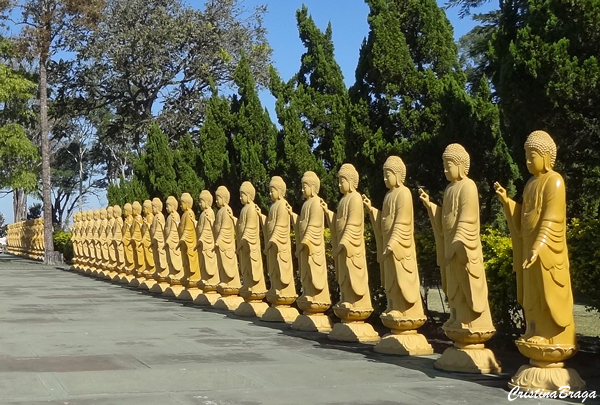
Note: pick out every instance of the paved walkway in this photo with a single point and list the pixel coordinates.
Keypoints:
(71, 340)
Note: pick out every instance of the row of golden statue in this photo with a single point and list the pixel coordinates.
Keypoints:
(201, 260)
(26, 238)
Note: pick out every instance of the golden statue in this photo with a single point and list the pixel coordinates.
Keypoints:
(128, 249)
(310, 251)
(187, 244)
(109, 270)
(538, 231)
(209, 270)
(174, 260)
(118, 244)
(75, 239)
(224, 233)
(157, 235)
(103, 247)
(278, 251)
(95, 247)
(88, 246)
(397, 257)
(147, 281)
(138, 245)
(253, 288)
(460, 257)
(348, 241)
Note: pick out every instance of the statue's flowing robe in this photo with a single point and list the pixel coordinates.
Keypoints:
(206, 241)
(157, 233)
(171, 240)
(352, 264)
(224, 232)
(187, 234)
(251, 261)
(540, 224)
(279, 258)
(394, 228)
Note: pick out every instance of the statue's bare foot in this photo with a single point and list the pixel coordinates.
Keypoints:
(393, 313)
(345, 305)
(538, 340)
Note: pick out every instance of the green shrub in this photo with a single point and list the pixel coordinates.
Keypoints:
(583, 238)
(63, 244)
(507, 314)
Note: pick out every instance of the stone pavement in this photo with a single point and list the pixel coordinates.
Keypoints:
(72, 340)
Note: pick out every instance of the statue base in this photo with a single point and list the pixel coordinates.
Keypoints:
(174, 291)
(207, 299)
(111, 276)
(127, 278)
(159, 288)
(228, 302)
(471, 358)
(404, 343)
(313, 323)
(136, 281)
(353, 331)
(280, 313)
(546, 378)
(252, 308)
(147, 284)
(190, 294)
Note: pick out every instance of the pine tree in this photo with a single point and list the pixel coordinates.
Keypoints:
(254, 137)
(185, 162)
(155, 167)
(404, 66)
(214, 142)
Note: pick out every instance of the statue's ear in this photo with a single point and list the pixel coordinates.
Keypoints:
(547, 165)
(461, 171)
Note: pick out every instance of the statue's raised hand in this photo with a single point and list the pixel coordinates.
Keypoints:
(501, 193)
(424, 197)
(366, 202)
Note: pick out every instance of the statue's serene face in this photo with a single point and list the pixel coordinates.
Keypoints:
(203, 204)
(535, 162)
(274, 194)
(390, 179)
(154, 209)
(244, 198)
(169, 207)
(451, 170)
(307, 190)
(184, 205)
(220, 201)
(344, 185)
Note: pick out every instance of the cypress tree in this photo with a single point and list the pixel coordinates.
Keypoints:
(155, 167)
(214, 142)
(186, 158)
(254, 137)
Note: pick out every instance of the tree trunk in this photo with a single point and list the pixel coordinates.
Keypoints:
(19, 205)
(46, 185)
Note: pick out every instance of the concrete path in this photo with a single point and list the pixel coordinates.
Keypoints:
(72, 340)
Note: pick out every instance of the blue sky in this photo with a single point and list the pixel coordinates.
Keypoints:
(349, 24)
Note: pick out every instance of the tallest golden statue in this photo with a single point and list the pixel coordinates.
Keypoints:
(538, 231)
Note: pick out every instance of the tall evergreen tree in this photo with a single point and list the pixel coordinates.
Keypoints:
(405, 65)
(542, 57)
(214, 142)
(185, 162)
(254, 137)
(155, 167)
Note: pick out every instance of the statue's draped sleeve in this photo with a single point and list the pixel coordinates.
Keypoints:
(350, 232)
(250, 233)
(206, 237)
(224, 232)
(311, 223)
(512, 210)
(472, 282)
(401, 241)
(278, 229)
